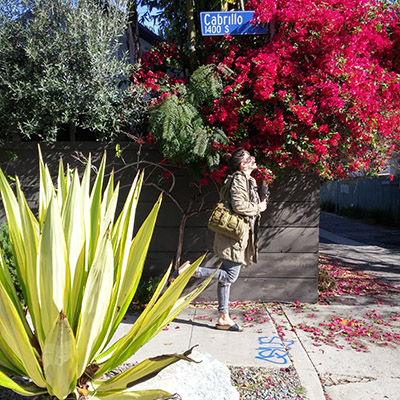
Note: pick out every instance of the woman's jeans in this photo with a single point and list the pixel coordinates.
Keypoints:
(226, 275)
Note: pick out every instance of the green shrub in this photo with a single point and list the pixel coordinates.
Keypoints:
(8, 257)
(146, 289)
(384, 217)
(352, 212)
(328, 206)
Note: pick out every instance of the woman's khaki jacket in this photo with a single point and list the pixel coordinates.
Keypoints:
(239, 199)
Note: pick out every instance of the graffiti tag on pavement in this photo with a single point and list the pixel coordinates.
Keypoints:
(273, 350)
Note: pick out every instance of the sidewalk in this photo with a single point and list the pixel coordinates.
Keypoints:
(259, 345)
(347, 367)
(354, 372)
(373, 249)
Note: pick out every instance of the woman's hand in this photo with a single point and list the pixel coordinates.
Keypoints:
(263, 205)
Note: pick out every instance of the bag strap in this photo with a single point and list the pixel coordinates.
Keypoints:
(224, 198)
(224, 190)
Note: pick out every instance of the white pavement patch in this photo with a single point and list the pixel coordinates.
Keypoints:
(207, 380)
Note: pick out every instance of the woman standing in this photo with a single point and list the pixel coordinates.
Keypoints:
(243, 198)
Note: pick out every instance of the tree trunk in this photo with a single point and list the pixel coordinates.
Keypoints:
(132, 32)
(191, 33)
(179, 249)
(72, 133)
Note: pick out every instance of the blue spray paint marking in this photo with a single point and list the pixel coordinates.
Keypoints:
(273, 349)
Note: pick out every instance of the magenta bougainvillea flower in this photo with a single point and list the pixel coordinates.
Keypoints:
(321, 92)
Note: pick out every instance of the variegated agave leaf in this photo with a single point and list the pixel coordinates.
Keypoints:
(78, 266)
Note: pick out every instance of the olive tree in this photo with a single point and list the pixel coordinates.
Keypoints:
(61, 64)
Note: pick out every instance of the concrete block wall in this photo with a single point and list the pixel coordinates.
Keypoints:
(288, 261)
(287, 269)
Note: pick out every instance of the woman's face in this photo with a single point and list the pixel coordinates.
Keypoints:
(249, 163)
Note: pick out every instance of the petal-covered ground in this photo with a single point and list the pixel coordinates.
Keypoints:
(337, 280)
(374, 317)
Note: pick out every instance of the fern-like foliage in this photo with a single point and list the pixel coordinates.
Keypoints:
(178, 127)
(206, 84)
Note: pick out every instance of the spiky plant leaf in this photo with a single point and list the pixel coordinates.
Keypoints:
(7, 365)
(46, 188)
(11, 208)
(27, 270)
(61, 185)
(144, 370)
(23, 390)
(157, 315)
(15, 340)
(8, 285)
(135, 395)
(95, 210)
(23, 236)
(135, 262)
(54, 280)
(78, 268)
(95, 304)
(73, 221)
(123, 228)
(60, 359)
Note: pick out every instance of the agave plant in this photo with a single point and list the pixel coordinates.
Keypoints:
(78, 266)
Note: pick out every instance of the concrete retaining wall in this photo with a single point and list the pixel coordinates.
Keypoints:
(288, 264)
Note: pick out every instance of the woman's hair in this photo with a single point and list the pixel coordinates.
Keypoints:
(235, 158)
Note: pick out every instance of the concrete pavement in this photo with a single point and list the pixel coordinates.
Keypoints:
(370, 248)
(334, 364)
(195, 326)
(358, 370)
(259, 345)
(372, 372)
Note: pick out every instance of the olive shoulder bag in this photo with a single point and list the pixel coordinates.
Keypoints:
(223, 220)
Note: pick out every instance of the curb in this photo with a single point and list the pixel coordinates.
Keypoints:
(302, 363)
(333, 237)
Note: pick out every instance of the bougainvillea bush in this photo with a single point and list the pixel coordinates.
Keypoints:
(320, 92)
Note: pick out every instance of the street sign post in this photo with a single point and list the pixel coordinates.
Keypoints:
(219, 23)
